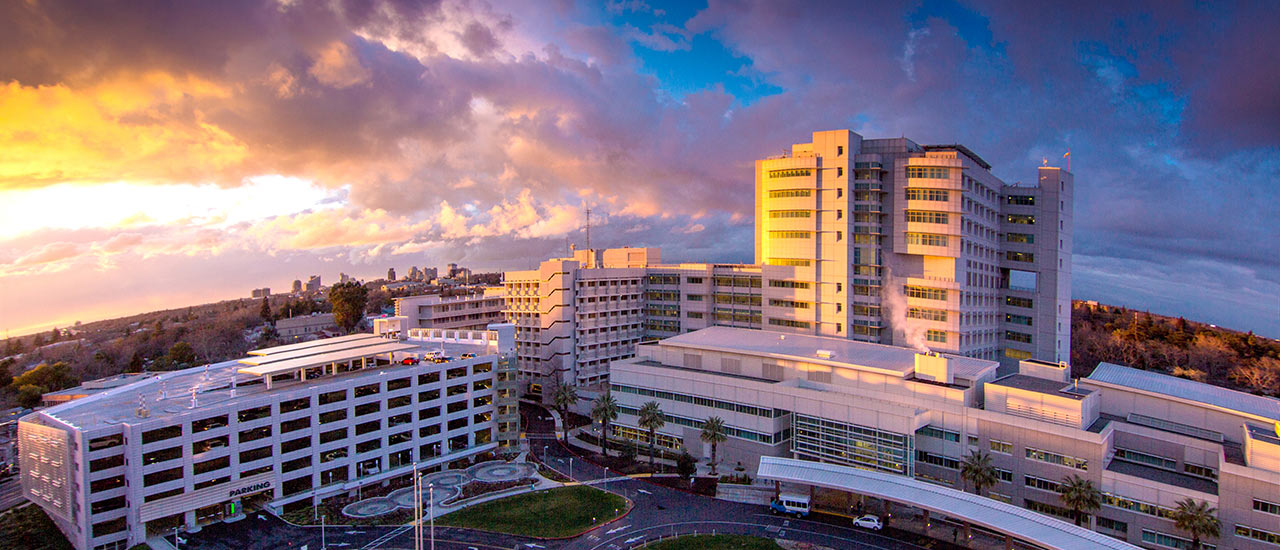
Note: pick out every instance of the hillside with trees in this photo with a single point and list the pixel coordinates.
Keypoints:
(1172, 345)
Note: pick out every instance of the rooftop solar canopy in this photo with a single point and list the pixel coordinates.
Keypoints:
(328, 346)
(313, 343)
(997, 516)
(1190, 390)
(340, 356)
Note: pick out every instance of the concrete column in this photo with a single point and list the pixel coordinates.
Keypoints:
(267, 380)
(302, 375)
(968, 534)
(926, 522)
(189, 521)
(1008, 542)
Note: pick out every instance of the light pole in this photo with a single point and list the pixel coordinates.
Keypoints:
(323, 546)
(570, 468)
(432, 495)
(544, 454)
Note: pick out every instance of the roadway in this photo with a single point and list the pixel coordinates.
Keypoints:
(658, 512)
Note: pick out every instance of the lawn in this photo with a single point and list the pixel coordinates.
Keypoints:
(559, 512)
(716, 542)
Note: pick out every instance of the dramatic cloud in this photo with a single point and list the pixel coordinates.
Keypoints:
(263, 140)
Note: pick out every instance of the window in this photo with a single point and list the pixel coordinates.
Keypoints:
(1017, 354)
(1017, 319)
(295, 444)
(1170, 541)
(1112, 525)
(255, 454)
(1146, 458)
(925, 292)
(1020, 219)
(210, 444)
(790, 173)
(254, 413)
(1015, 256)
(105, 528)
(397, 402)
(368, 446)
(937, 460)
(481, 368)
(1041, 483)
(398, 384)
(335, 454)
(775, 214)
(106, 484)
(1018, 302)
(935, 336)
(107, 505)
(333, 435)
(784, 193)
(1200, 471)
(293, 405)
(333, 397)
(295, 486)
(926, 239)
(255, 471)
(106, 462)
(161, 434)
(429, 395)
(333, 416)
(1257, 534)
(255, 434)
(211, 465)
(1002, 447)
(789, 323)
(336, 475)
(839, 150)
(162, 455)
(939, 433)
(794, 262)
(427, 431)
(295, 464)
(105, 442)
(927, 314)
(295, 424)
(1266, 507)
(209, 423)
(789, 304)
(428, 378)
(1020, 200)
(918, 216)
(788, 284)
(936, 195)
(1025, 238)
(163, 476)
(212, 482)
(457, 372)
(367, 427)
(428, 412)
(930, 172)
(1055, 458)
(402, 437)
(457, 424)
(456, 390)
(370, 389)
(790, 234)
(1004, 475)
(368, 408)
(1017, 336)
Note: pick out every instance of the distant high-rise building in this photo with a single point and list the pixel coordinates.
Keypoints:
(261, 292)
(297, 286)
(430, 273)
(453, 270)
(391, 274)
(343, 277)
(313, 284)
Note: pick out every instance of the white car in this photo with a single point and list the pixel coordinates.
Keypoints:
(868, 522)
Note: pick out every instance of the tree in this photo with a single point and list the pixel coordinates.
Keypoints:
(564, 397)
(713, 433)
(29, 395)
(977, 470)
(686, 466)
(6, 375)
(1079, 495)
(182, 354)
(48, 377)
(55, 335)
(265, 313)
(604, 412)
(1198, 519)
(1262, 376)
(348, 301)
(651, 419)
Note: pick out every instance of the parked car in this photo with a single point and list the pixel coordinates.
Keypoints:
(409, 361)
(868, 522)
(790, 504)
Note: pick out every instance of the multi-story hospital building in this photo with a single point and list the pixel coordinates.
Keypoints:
(285, 427)
(1146, 440)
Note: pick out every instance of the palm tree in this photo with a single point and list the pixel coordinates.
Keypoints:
(564, 397)
(713, 433)
(978, 471)
(1079, 495)
(651, 419)
(604, 412)
(1197, 519)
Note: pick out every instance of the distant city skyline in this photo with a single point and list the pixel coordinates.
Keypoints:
(250, 144)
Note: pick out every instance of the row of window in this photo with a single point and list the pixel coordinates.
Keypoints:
(794, 262)
(788, 284)
(1146, 458)
(700, 401)
(788, 303)
(1257, 534)
(1015, 336)
(927, 314)
(1017, 319)
(790, 213)
(1024, 238)
(791, 234)
(1015, 256)
(936, 195)
(789, 323)
(785, 193)
(1171, 541)
(939, 433)
(926, 239)
(1018, 302)
(790, 173)
(935, 336)
(1059, 459)
(930, 172)
(925, 292)
(926, 217)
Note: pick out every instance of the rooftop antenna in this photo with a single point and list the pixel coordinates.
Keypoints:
(194, 403)
(588, 228)
(142, 406)
(162, 392)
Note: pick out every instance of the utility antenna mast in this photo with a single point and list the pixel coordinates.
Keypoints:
(588, 228)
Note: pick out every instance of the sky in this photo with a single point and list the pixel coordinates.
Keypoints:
(156, 155)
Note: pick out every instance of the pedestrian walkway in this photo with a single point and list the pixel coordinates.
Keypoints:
(444, 487)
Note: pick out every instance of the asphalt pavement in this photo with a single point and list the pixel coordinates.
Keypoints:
(658, 512)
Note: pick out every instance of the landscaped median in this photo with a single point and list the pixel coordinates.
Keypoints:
(554, 513)
(715, 542)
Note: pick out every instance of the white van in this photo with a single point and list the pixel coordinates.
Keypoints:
(790, 503)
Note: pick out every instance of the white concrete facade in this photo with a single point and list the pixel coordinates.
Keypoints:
(189, 447)
(1146, 440)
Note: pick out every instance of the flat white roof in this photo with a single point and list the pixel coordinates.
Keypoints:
(339, 356)
(312, 343)
(803, 347)
(992, 514)
(1172, 386)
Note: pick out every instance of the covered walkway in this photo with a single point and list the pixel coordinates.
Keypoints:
(1014, 522)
